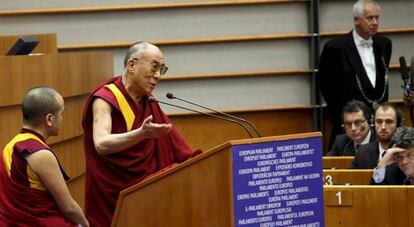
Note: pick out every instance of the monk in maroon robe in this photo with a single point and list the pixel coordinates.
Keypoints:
(127, 138)
(32, 183)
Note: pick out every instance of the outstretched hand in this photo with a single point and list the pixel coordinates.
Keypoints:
(154, 130)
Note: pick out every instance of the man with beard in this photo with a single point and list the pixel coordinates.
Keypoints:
(397, 166)
(387, 119)
(357, 119)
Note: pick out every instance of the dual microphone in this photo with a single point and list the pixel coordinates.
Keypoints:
(218, 114)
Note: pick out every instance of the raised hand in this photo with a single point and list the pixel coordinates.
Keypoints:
(388, 158)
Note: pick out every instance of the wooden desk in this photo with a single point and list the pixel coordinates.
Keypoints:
(390, 206)
(347, 176)
(337, 162)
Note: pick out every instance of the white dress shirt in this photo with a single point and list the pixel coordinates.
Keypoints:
(379, 175)
(366, 53)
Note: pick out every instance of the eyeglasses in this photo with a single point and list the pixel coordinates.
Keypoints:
(156, 66)
(357, 123)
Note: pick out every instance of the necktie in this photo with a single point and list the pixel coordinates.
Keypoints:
(357, 148)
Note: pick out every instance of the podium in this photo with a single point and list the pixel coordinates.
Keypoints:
(202, 191)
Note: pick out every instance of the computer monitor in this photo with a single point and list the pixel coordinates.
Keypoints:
(23, 46)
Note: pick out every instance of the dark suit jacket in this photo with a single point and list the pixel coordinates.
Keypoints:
(344, 146)
(393, 176)
(367, 156)
(340, 65)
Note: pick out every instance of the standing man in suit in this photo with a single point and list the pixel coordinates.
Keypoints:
(355, 66)
(357, 125)
(387, 119)
(397, 166)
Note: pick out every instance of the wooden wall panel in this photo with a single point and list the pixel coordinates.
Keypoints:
(71, 156)
(71, 74)
(205, 132)
(77, 189)
(11, 121)
(72, 119)
(406, 113)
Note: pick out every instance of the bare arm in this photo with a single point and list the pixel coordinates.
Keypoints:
(45, 165)
(107, 143)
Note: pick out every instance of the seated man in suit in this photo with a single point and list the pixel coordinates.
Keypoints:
(387, 119)
(356, 118)
(397, 166)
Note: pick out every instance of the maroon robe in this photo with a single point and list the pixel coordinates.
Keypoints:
(107, 175)
(20, 204)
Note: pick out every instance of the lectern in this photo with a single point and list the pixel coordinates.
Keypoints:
(233, 184)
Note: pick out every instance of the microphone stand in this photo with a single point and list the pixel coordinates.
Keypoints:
(407, 86)
(411, 84)
(171, 96)
(152, 99)
(407, 89)
(411, 114)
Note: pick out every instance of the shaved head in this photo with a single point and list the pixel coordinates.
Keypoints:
(37, 103)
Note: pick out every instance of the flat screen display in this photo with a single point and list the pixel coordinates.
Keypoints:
(23, 46)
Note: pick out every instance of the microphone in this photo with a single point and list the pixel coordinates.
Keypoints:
(171, 96)
(411, 74)
(153, 99)
(404, 75)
